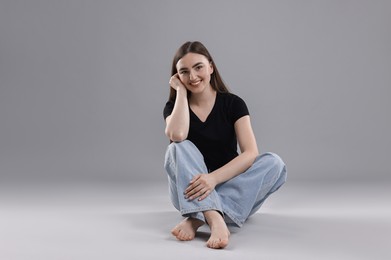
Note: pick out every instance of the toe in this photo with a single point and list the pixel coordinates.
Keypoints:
(174, 232)
(183, 236)
(223, 243)
(217, 243)
(210, 243)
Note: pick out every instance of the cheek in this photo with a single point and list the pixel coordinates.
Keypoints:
(207, 76)
(182, 78)
(209, 72)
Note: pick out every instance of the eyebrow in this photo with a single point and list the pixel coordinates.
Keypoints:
(195, 65)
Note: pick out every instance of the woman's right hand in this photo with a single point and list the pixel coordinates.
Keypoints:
(176, 83)
(177, 124)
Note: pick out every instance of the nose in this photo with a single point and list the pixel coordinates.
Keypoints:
(192, 75)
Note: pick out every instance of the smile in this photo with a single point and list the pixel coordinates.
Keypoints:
(195, 83)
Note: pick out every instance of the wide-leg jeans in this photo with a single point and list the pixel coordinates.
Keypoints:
(236, 199)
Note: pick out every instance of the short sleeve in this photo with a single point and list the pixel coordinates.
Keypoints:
(238, 108)
(168, 109)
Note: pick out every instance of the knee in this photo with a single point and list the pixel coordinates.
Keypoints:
(182, 147)
(274, 162)
(277, 161)
(170, 154)
(280, 167)
(172, 147)
(177, 147)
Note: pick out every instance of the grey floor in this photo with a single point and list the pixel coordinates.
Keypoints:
(303, 220)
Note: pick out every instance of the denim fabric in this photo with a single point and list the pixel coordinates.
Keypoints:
(236, 199)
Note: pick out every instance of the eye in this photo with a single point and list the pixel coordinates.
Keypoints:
(183, 72)
(198, 67)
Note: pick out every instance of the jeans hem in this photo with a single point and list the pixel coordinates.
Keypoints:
(235, 220)
(188, 211)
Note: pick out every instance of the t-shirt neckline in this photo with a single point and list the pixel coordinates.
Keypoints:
(210, 113)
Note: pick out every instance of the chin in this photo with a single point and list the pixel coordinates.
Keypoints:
(197, 89)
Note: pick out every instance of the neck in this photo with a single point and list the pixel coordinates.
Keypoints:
(206, 96)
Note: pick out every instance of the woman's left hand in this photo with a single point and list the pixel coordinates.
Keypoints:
(200, 186)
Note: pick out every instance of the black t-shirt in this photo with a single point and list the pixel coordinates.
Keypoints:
(215, 138)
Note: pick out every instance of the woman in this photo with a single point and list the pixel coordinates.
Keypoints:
(209, 181)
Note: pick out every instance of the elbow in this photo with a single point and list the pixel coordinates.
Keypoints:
(252, 155)
(176, 136)
(255, 154)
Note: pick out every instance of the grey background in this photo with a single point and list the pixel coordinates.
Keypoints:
(83, 84)
(82, 88)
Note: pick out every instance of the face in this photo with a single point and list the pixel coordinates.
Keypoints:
(194, 71)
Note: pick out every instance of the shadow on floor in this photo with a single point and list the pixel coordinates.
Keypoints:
(273, 233)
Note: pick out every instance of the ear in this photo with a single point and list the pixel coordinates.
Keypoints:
(211, 67)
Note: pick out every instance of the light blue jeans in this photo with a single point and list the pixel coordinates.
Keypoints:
(236, 199)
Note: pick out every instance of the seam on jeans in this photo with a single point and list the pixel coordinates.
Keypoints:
(228, 201)
(197, 215)
(234, 219)
(193, 210)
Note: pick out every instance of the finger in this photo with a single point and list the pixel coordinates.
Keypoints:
(193, 191)
(206, 194)
(193, 183)
(197, 194)
(195, 178)
(192, 187)
(173, 78)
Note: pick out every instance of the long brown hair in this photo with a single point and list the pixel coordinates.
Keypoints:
(197, 47)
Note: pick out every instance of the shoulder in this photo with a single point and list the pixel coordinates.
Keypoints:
(234, 105)
(232, 100)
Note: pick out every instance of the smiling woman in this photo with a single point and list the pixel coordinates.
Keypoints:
(194, 72)
(210, 182)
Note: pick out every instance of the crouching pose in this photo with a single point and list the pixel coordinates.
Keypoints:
(210, 182)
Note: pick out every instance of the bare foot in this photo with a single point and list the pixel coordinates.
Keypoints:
(187, 229)
(219, 231)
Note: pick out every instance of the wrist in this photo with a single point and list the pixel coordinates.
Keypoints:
(215, 178)
(181, 90)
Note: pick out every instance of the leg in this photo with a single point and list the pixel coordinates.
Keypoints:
(219, 230)
(183, 161)
(276, 180)
(243, 195)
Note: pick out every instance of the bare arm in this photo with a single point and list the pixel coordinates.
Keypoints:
(202, 184)
(177, 124)
(248, 148)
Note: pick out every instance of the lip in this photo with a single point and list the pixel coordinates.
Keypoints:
(195, 83)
